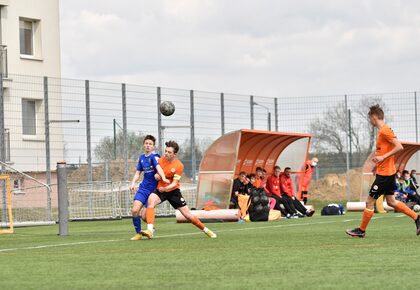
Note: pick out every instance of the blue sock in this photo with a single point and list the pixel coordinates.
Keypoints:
(137, 223)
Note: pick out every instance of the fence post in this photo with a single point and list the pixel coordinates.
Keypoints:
(2, 129)
(125, 143)
(192, 137)
(222, 112)
(276, 115)
(88, 141)
(159, 119)
(416, 118)
(63, 199)
(47, 147)
(347, 147)
(251, 103)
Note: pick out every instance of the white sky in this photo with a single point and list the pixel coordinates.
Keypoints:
(265, 47)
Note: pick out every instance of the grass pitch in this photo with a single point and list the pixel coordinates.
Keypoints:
(310, 253)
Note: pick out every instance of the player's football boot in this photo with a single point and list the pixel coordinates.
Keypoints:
(310, 213)
(357, 232)
(137, 237)
(210, 234)
(418, 226)
(147, 233)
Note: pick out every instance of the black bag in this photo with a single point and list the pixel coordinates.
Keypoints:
(332, 209)
(260, 207)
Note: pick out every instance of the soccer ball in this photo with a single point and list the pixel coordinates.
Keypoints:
(416, 208)
(167, 108)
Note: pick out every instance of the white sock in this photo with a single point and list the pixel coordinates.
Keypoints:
(206, 230)
(150, 227)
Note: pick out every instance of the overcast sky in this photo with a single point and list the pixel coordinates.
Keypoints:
(264, 47)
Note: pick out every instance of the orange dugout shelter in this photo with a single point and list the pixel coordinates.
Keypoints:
(245, 150)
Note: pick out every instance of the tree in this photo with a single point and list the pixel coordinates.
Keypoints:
(105, 148)
(332, 128)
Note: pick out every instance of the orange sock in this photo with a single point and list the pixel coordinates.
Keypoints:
(402, 207)
(367, 215)
(150, 216)
(198, 223)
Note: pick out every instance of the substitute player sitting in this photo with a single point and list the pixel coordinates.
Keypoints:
(173, 169)
(149, 165)
(387, 145)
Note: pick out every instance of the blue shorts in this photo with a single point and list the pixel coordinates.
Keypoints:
(142, 195)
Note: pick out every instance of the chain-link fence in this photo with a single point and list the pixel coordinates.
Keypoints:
(97, 128)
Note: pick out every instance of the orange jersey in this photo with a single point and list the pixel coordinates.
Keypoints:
(173, 171)
(384, 145)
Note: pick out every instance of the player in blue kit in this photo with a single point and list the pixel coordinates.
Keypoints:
(149, 165)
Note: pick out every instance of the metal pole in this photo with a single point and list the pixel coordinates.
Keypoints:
(222, 112)
(159, 119)
(63, 199)
(350, 141)
(2, 129)
(192, 137)
(47, 147)
(251, 101)
(115, 139)
(269, 121)
(347, 149)
(276, 114)
(125, 141)
(416, 118)
(88, 142)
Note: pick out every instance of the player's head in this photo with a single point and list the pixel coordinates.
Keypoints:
(406, 174)
(171, 150)
(376, 115)
(287, 171)
(242, 176)
(277, 171)
(413, 172)
(252, 177)
(314, 162)
(259, 171)
(149, 143)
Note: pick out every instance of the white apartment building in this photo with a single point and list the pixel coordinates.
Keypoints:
(30, 49)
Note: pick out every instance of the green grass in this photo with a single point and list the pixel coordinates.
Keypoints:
(310, 253)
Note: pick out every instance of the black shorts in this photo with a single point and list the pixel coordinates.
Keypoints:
(174, 197)
(383, 185)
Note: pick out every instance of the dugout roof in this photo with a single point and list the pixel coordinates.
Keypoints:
(408, 158)
(245, 150)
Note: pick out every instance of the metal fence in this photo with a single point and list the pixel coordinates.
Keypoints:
(97, 127)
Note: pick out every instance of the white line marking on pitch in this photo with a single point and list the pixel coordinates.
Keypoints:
(173, 235)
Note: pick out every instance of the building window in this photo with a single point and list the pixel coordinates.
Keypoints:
(26, 35)
(28, 117)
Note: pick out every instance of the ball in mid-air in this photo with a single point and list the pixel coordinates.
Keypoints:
(167, 108)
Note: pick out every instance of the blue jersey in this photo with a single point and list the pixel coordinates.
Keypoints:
(148, 164)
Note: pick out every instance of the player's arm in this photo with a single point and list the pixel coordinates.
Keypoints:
(397, 148)
(175, 181)
(162, 174)
(135, 179)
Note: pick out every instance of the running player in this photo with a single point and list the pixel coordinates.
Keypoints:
(387, 145)
(149, 165)
(173, 169)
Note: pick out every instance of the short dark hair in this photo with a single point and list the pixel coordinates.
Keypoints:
(242, 173)
(252, 175)
(151, 138)
(413, 171)
(258, 169)
(287, 168)
(377, 111)
(173, 145)
(277, 167)
(405, 172)
(265, 171)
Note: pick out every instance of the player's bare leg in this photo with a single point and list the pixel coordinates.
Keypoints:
(150, 215)
(402, 207)
(195, 221)
(135, 211)
(367, 216)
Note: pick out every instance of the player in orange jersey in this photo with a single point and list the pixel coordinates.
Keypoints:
(173, 169)
(387, 145)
